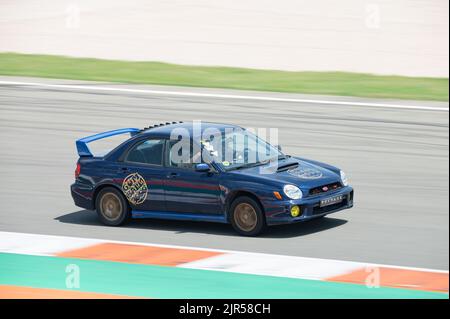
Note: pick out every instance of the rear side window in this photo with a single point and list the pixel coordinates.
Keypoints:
(147, 152)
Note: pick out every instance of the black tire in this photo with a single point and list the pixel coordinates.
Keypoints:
(255, 222)
(112, 208)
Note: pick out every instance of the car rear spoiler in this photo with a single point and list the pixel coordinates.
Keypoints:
(83, 149)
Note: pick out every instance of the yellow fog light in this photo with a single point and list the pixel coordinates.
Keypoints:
(295, 211)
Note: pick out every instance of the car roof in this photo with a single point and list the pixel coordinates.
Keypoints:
(165, 129)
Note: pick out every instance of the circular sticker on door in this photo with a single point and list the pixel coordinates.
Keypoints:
(135, 188)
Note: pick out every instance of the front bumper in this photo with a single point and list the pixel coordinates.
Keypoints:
(279, 212)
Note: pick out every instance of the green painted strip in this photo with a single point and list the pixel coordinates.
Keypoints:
(172, 282)
(334, 83)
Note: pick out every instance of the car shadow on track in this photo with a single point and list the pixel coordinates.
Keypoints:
(89, 218)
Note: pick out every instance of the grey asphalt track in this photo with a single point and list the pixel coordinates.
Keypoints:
(396, 159)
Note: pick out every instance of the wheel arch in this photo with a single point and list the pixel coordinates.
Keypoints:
(103, 186)
(239, 193)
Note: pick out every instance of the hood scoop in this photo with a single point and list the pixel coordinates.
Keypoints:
(283, 168)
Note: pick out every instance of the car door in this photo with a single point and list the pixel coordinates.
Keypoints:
(142, 173)
(189, 191)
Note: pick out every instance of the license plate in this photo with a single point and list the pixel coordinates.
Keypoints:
(331, 200)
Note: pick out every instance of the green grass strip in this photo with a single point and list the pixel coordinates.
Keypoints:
(172, 282)
(334, 83)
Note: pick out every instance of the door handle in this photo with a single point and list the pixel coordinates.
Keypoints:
(172, 175)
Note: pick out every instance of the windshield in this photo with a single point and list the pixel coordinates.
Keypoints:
(238, 149)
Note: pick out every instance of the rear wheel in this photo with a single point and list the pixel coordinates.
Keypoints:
(247, 217)
(112, 208)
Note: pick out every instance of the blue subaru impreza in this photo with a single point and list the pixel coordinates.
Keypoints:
(205, 172)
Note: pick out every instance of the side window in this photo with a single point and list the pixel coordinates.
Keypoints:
(188, 160)
(147, 152)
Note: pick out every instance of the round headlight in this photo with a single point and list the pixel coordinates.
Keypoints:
(344, 178)
(293, 192)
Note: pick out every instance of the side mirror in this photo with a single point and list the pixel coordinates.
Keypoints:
(202, 168)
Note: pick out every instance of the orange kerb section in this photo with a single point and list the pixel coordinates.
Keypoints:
(399, 278)
(16, 292)
(137, 254)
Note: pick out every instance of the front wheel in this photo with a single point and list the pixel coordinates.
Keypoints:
(112, 208)
(247, 217)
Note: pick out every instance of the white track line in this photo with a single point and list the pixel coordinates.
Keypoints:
(24, 238)
(228, 96)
